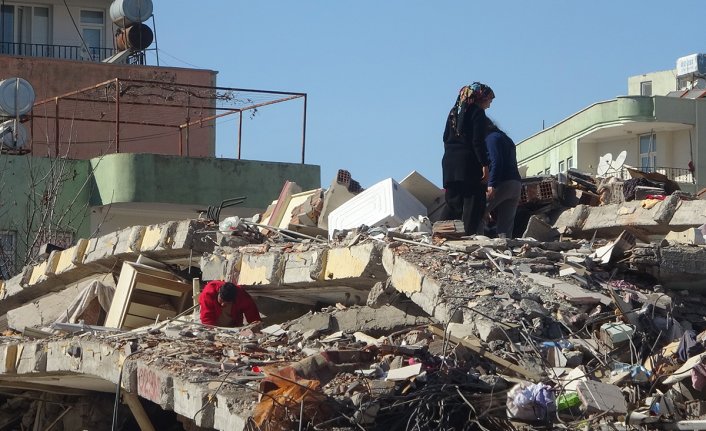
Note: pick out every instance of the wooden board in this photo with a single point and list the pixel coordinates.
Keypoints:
(140, 293)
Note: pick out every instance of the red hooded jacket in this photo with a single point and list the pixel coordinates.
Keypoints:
(243, 305)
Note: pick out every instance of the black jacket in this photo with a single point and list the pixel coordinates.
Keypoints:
(465, 154)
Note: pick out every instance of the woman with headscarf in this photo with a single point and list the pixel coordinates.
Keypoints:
(465, 162)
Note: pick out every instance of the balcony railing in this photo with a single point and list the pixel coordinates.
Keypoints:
(680, 175)
(56, 51)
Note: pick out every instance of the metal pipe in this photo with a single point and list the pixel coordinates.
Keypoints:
(159, 83)
(136, 123)
(304, 131)
(56, 126)
(240, 134)
(257, 105)
(117, 115)
(168, 105)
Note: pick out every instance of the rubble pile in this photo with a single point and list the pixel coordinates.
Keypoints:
(593, 320)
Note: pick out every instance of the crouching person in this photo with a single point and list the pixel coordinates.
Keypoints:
(226, 304)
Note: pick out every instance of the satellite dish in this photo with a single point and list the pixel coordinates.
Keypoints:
(604, 164)
(620, 160)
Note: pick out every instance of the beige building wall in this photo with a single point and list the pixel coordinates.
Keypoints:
(662, 83)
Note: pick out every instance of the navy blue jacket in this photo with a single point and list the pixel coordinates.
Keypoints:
(503, 158)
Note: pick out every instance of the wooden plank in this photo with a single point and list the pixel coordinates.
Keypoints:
(123, 290)
(161, 285)
(132, 322)
(503, 363)
(133, 402)
(149, 312)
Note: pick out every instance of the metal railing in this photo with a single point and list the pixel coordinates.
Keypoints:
(56, 51)
(680, 175)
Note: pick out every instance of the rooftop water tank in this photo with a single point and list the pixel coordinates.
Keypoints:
(16, 97)
(7, 137)
(125, 13)
(137, 37)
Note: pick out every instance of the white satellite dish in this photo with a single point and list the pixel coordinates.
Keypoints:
(620, 160)
(604, 163)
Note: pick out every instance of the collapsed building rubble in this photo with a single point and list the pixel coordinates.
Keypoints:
(593, 320)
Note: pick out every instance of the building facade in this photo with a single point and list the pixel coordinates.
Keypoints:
(660, 126)
(112, 144)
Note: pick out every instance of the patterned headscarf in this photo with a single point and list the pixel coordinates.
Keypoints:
(467, 96)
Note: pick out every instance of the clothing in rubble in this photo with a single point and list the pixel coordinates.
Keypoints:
(465, 161)
(239, 306)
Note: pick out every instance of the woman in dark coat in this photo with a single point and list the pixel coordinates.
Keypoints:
(465, 162)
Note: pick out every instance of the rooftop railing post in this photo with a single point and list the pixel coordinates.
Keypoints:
(304, 132)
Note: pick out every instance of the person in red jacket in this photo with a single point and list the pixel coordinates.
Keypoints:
(224, 304)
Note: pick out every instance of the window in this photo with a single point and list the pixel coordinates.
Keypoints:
(8, 241)
(23, 27)
(569, 162)
(646, 88)
(561, 166)
(92, 30)
(648, 152)
(63, 239)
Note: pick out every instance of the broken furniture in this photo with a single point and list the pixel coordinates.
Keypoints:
(145, 295)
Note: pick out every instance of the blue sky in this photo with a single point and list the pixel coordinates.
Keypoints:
(381, 75)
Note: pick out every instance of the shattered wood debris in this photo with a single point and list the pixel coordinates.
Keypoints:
(386, 318)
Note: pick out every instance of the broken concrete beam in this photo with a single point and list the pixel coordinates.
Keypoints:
(691, 236)
(227, 413)
(152, 237)
(46, 309)
(222, 264)
(261, 269)
(572, 219)
(101, 248)
(334, 197)
(304, 267)
(72, 256)
(358, 265)
(688, 214)
(598, 397)
(540, 230)
(155, 385)
(667, 208)
(191, 397)
(31, 358)
(129, 241)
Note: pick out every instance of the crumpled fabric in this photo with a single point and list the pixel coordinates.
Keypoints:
(527, 401)
(689, 346)
(94, 290)
(698, 376)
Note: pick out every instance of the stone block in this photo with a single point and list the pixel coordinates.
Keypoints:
(260, 269)
(312, 321)
(489, 330)
(597, 397)
(304, 267)
(404, 276)
(52, 263)
(666, 209)
(192, 398)
(192, 235)
(155, 385)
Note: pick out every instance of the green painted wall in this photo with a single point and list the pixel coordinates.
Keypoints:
(40, 192)
(202, 181)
